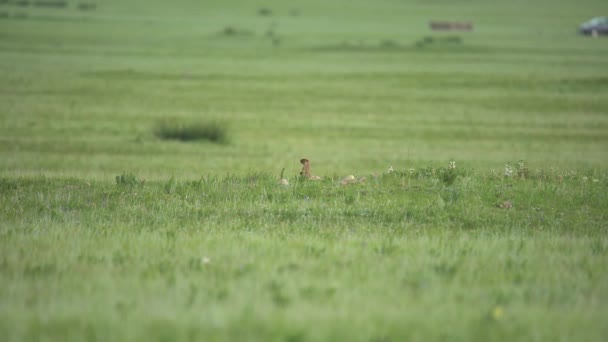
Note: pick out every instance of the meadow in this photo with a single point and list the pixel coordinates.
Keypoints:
(142, 143)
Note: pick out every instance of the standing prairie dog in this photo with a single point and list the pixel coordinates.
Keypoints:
(306, 170)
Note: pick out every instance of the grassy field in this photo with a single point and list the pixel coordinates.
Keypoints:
(117, 223)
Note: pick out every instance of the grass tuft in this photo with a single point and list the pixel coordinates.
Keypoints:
(128, 179)
(439, 41)
(213, 131)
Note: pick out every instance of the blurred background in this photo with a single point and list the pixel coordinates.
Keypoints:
(189, 88)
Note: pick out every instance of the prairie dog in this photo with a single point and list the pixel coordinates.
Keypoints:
(306, 170)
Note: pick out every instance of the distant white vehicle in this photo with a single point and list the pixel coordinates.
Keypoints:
(595, 27)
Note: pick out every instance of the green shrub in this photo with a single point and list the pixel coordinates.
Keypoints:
(213, 131)
(128, 179)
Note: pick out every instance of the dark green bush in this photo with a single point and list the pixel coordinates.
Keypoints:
(213, 131)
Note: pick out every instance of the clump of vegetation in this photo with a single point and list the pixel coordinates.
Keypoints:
(388, 43)
(272, 35)
(128, 179)
(448, 176)
(87, 6)
(52, 4)
(438, 41)
(213, 131)
(264, 12)
(235, 31)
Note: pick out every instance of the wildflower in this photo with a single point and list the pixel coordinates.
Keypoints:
(412, 171)
(390, 169)
(595, 180)
(508, 170)
(452, 165)
(522, 170)
(584, 178)
(205, 260)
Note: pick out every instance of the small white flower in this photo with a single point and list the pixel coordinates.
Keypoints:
(205, 260)
(412, 170)
(452, 165)
(508, 170)
(390, 169)
(585, 178)
(595, 180)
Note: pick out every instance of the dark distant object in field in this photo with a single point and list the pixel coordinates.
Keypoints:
(128, 179)
(233, 31)
(51, 4)
(270, 32)
(229, 31)
(87, 6)
(595, 27)
(213, 131)
(264, 11)
(439, 41)
(389, 44)
(451, 26)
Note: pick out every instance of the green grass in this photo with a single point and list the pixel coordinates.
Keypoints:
(401, 256)
(83, 91)
(110, 231)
